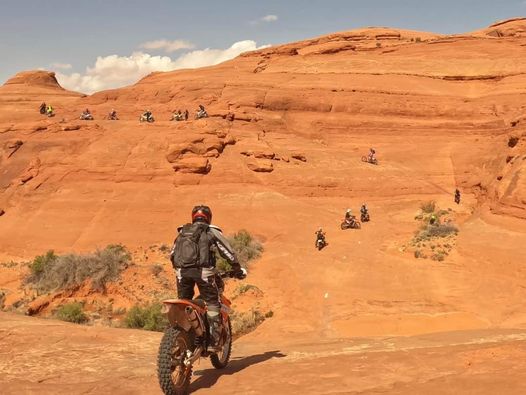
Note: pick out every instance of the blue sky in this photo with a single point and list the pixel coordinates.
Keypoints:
(68, 35)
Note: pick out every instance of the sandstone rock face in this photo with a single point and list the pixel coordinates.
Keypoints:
(439, 110)
(260, 166)
(35, 78)
(192, 165)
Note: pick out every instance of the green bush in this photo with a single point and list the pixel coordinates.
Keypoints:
(71, 312)
(148, 317)
(51, 272)
(41, 263)
(245, 247)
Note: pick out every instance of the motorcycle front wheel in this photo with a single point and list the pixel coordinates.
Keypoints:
(174, 376)
(220, 360)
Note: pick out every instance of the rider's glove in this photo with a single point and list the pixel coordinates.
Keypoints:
(241, 274)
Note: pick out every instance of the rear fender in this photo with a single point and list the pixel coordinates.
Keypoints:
(179, 312)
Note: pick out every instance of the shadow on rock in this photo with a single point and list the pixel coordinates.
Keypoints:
(207, 378)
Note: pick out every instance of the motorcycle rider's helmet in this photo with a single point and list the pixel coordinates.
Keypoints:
(202, 213)
(348, 211)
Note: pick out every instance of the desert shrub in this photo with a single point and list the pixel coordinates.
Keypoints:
(512, 141)
(71, 312)
(418, 254)
(428, 207)
(244, 288)
(164, 248)
(148, 317)
(156, 269)
(245, 322)
(418, 39)
(441, 230)
(438, 256)
(246, 248)
(51, 272)
(41, 262)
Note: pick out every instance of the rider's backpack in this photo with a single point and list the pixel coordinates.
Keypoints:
(191, 248)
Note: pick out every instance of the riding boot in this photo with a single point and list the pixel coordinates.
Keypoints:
(214, 322)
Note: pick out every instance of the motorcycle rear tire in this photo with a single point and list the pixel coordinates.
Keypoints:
(165, 363)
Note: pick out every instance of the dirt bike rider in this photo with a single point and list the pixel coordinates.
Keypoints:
(42, 108)
(113, 114)
(186, 114)
(86, 113)
(320, 235)
(364, 211)
(457, 196)
(201, 112)
(193, 258)
(372, 155)
(147, 115)
(49, 111)
(349, 217)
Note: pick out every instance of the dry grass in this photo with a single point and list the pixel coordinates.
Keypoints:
(243, 323)
(51, 272)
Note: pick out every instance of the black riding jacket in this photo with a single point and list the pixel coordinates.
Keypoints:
(217, 240)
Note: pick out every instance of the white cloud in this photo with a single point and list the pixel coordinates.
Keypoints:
(61, 66)
(265, 19)
(115, 71)
(270, 18)
(167, 46)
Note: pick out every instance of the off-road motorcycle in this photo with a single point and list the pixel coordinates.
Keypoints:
(321, 243)
(201, 114)
(370, 160)
(350, 224)
(144, 118)
(187, 339)
(86, 117)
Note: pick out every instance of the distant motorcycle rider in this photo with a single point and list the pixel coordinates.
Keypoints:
(113, 115)
(193, 258)
(457, 196)
(364, 211)
(320, 235)
(372, 155)
(49, 111)
(42, 108)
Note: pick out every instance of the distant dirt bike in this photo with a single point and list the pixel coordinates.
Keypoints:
(86, 117)
(177, 117)
(201, 114)
(364, 217)
(321, 243)
(149, 119)
(350, 224)
(112, 117)
(187, 339)
(369, 160)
